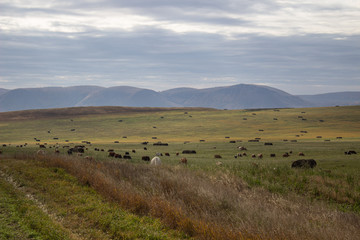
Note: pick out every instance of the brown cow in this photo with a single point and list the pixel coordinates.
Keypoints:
(183, 160)
(260, 155)
(167, 154)
(301, 154)
(217, 156)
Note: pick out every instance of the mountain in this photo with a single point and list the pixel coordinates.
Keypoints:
(2, 91)
(235, 97)
(40, 98)
(241, 96)
(126, 96)
(333, 99)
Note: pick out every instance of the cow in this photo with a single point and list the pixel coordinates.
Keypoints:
(242, 148)
(155, 161)
(253, 155)
(304, 163)
(272, 155)
(134, 151)
(244, 154)
(301, 154)
(127, 156)
(57, 151)
(111, 154)
(117, 155)
(219, 163)
(183, 160)
(260, 155)
(42, 146)
(145, 148)
(145, 158)
(167, 154)
(189, 152)
(217, 156)
(286, 154)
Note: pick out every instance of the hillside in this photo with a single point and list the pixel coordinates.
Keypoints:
(241, 96)
(126, 96)
(333, 99)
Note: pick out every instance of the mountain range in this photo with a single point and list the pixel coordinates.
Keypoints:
(241, 96)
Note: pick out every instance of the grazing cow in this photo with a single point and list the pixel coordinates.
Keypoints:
(286, 154)
(145, 148)
(244, 154)
(112, 154)
(177, 154)
(217, 156)
(155, 161)
(272, 155)
(260, 155)
(167, 154)
(301, 154)
(134, 151)
(268, 144)
(253, 155)
(235, 156)
(144, 143)
(189, 152)
(350, 152)
(304, 163)
(42, 146)
(145, 158)
(127, 157)
(239, 155)
(242, 148)
(183, 160)
(117, 155)
(41, 153)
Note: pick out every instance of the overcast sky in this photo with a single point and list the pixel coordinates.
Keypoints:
(302, 47)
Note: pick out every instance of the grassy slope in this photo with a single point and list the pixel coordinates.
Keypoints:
(77, 211)
(176, 126)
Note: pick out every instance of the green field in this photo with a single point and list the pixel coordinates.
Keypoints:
(323, 134)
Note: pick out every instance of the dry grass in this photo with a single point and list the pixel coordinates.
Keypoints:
(215, 206)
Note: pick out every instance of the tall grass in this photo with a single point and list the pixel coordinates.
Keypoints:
(209, 206)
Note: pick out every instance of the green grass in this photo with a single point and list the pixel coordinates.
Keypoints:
(82, 211)
(20, 218)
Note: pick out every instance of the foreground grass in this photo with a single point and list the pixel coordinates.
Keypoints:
(77, 211)
(20, 218)
(206, 206)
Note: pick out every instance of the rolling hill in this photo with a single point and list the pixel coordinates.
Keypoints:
(241, 96)
(333, 99)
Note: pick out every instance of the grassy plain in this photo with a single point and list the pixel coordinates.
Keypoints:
(323, 134)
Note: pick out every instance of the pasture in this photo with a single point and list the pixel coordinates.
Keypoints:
(322, 134)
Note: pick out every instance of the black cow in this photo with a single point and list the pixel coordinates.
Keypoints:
(304, 163)
(145, 158)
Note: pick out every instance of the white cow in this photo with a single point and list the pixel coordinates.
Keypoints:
(155, 161)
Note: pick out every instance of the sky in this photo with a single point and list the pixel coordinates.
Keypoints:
(301, 47)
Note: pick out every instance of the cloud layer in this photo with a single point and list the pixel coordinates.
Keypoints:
(297, 46)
